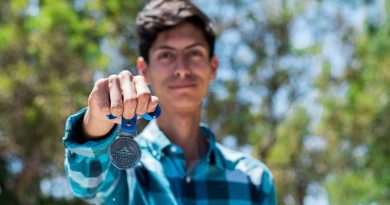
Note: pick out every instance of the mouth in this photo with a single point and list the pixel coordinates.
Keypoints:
(182, 86)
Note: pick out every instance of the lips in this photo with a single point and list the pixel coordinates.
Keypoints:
(182, 86)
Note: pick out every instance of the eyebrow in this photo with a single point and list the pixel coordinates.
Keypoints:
(188, 47)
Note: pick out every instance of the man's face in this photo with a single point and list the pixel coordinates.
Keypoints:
(179, 68)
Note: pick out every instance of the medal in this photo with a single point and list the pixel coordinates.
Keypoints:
(124, 151)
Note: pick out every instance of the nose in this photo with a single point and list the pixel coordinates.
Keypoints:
(182, 69)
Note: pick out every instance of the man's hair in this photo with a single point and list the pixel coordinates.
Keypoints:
(161, 15)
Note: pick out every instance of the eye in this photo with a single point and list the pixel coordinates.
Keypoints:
(166, 55)
(195, 53)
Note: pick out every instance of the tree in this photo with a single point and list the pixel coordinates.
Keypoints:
(47, 63)
(355, 122)
(51, 54)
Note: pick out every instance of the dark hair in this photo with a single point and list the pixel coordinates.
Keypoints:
(161, 15)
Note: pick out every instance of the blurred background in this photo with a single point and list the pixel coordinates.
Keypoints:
(303, 86)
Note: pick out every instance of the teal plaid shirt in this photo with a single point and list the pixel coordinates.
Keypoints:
(222, 176)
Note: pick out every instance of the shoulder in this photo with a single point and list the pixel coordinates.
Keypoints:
(259, 174)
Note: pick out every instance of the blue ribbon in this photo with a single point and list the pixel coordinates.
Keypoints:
(128, 126)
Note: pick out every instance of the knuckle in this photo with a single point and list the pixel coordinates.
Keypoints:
(125, 74)
(128, 116)
(116, 108)
(145, 96)
(112, 78)
(112, 81)
(99, 84)
(139, 78)
(98, 90)
(140, 112)
(130, 101)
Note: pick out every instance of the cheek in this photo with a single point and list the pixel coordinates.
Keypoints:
(200, 63)
(204, 72)
(157, 77)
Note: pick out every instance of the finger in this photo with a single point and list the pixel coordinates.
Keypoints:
(152, 104)
(116, 104)
(143, 94)
(99, 101)
(129, 94)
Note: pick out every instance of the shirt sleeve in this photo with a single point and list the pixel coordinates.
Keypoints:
(89, 171)
(268, 188)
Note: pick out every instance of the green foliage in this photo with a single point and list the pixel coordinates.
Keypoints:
(359, 120)
(354, 188)
(48, 62)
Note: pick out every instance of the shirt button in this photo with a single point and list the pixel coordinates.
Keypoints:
(188, 179)
(173, 149)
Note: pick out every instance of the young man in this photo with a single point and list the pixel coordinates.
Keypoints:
(181, 162)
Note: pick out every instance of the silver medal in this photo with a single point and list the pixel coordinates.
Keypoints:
(124, 153)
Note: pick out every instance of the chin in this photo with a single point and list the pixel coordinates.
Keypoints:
(182, 105)
(185, 107)
(183, 102)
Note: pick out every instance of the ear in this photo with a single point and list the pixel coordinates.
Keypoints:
(142, 68)
(214, 67)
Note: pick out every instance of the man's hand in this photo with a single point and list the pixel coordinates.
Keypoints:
(122, 95)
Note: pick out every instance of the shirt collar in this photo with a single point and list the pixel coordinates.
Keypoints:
(211, 152)
(157, 141)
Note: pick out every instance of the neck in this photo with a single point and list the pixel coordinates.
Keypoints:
(183, 129)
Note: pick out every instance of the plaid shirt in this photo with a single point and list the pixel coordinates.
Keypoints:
(222, 176)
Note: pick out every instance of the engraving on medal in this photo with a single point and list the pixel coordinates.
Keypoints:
(124, 153)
